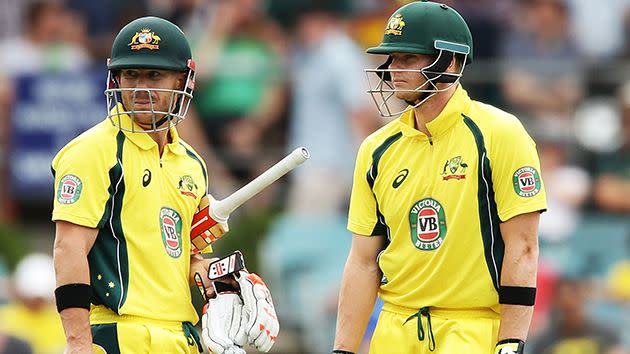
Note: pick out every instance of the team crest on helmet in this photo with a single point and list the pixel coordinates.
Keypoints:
(145, 39)
(427, 221)
(526, 181)
(395, 25)
(171, 227)
(69, 191)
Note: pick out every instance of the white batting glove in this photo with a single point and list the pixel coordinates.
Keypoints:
(223, 324)
(262, 326)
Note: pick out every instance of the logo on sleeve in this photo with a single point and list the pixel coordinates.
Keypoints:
(69, 191)
(171, 226)
(427, 222)
(526, 181)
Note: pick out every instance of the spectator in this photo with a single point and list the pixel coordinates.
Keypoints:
(32, 316)
(612, 170)
(572, 330)
(104, 18)
(328, 97)
(41, 47)
(240, 94)
(598, 30)
(541, 76)
(330, 114)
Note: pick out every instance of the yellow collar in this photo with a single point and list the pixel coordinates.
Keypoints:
(140, 137)
(458, 104)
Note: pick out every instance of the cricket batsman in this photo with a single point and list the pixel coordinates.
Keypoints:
(445, 204)
(126, 194)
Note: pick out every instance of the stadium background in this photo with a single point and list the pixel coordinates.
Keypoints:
(276, 74)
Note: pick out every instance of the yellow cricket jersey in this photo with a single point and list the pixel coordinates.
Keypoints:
(440, 200)
(142, 205)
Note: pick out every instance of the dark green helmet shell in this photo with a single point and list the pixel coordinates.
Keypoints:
(424, 27)
(150, 43)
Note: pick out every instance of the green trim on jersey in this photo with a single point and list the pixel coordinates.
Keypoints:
(106, 337)
(108, 259)
(198, 159)
(381, 228)
(494, 247)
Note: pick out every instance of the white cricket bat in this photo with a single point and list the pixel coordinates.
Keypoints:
(206, 227)
(221, 209)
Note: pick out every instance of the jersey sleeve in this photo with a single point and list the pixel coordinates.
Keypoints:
(363, 213)
(82, 183)
(515, 168)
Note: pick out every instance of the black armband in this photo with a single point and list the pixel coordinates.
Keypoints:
(73, 295)
(517, 295)
(339, 351)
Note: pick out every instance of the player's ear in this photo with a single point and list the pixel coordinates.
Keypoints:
(181, 80)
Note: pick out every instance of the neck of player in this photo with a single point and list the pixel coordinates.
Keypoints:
(161, 138)
(432, 108)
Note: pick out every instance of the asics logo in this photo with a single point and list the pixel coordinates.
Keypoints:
(146, 178)
(402, 175)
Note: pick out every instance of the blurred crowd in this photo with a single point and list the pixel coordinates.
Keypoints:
(277, 74)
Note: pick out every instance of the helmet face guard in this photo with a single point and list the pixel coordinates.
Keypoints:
(149, 43)
(382, 89)
(179, 102)
(426, 28)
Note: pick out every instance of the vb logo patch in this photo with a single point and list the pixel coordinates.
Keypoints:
(69, 191)
(427, 222)
(526, 181)
(171, 226)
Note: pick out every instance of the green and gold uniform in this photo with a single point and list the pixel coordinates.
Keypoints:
(142, 205)
(439, 201)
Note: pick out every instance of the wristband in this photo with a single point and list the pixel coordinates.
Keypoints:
(227, 265)
(510, 346)
(517, 295)
(73, 295)
(339, 351)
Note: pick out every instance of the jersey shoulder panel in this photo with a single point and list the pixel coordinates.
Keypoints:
(191, 153)
(91, 147)
(377, 137)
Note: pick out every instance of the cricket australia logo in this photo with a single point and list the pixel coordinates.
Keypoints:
(145, 39)
(69, 191)
(171, 226)
(454, 168)
(526, 181)
(186, 186)
(395, 25)
(427, 222)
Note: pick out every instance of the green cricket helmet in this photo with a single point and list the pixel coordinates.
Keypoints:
(150, 43)
(421, 27)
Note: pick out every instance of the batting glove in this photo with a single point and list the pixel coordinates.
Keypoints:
(262, 326)
(223, 324)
